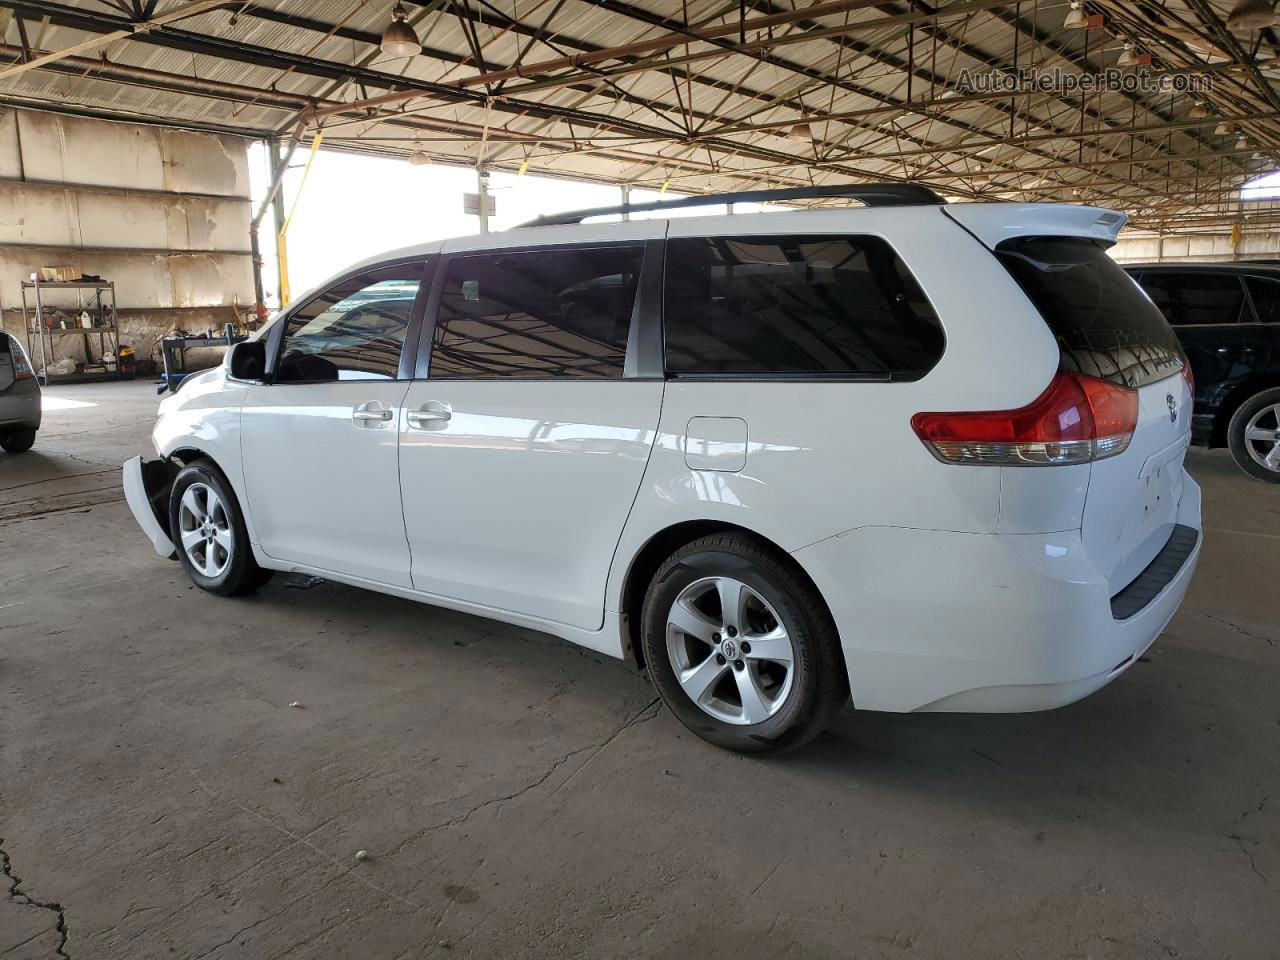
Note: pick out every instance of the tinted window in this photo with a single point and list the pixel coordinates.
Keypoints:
(799, 306)
(1186, 298)
(353, 331)
(543, 313)
(1104, 325)
(1265, 294)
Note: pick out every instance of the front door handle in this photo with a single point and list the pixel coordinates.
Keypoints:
(432, 415)
(371, 414)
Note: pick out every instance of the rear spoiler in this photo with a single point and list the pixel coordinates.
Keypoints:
(993, 223)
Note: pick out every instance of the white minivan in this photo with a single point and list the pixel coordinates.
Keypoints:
(914, 455)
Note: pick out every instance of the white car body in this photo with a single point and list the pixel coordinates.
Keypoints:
(953, 587)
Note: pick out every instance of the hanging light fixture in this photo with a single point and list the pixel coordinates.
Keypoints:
(1251, 15)
(801, 131)
(399, 40)
(419, 158)
(1242, 143)
(1077, 19)
(1127, 57)
(1224, 129)
(1199, 110)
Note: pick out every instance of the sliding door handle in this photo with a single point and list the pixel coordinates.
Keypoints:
(432, 415)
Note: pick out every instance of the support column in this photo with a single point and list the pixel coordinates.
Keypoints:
(277, 208)
(482, 199)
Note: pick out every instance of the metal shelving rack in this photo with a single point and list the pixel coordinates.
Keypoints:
(40, 336)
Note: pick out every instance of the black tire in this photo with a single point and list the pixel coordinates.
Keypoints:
(1240, 445)
(17, 439)
(819, 685)
(240, 574)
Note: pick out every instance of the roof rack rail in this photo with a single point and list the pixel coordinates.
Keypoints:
(871, 194)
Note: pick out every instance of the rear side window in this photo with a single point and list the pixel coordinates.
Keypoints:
(1265, 294)
(1197, 298)
(1104, 325)
(800, 306)
(543, 313)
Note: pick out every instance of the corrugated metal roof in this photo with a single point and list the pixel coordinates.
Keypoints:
(840, 91)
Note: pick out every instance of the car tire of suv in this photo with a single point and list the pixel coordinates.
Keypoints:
(1242, 419)
(779, 603)
(220, 560)
(18, 439)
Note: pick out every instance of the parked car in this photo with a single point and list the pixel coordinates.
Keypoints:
(1227, 316)
(783, 460)
(19, 397)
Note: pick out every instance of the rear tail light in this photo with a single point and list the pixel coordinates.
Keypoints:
(21, 367)
(1078, 419)
(1189, 377)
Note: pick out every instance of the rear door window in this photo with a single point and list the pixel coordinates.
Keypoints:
(538, 314)
(796, 306)
(1104, 325)
(1265, 294)
(1197, 299)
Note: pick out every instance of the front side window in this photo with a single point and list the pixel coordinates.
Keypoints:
(1196, 298)
(353, 331)
(1104, 325)
(798, 306)
(537, 314)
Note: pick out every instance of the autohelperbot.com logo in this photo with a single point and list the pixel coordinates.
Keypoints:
(1058, 80)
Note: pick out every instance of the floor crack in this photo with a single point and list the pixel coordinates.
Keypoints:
(17, 896)
(649, 708)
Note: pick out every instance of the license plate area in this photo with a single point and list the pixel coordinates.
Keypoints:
(1161, 478)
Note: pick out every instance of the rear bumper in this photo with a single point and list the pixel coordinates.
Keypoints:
(146, 490)
(998, 623)
(20, 405)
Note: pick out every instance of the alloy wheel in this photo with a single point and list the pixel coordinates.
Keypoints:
(1262, 437)
(730, 650)
(205, 530)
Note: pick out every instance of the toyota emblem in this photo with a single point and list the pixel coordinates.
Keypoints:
(1173, 407)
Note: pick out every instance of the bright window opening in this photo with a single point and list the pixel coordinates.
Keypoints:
(1265, 187)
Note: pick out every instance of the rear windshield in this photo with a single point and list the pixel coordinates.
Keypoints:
(1105, 325)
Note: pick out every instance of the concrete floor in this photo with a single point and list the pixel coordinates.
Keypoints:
(520, 798)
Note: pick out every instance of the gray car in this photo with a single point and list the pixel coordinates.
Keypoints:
(19, 397)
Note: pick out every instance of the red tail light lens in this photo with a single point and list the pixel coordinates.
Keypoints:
(1076, 420)
(21, 368)
(1189, 377)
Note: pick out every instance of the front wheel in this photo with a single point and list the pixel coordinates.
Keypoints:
(1254, 435)
(741, 647)
(17, 439)
(209, 532)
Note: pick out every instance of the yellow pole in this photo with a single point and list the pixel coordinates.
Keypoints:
(282, 250)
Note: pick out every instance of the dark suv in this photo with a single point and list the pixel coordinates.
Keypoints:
(1227, 316)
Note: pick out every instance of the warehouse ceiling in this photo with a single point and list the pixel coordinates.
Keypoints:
(702, 95)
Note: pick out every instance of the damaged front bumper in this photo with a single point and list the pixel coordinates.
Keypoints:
(146, 490)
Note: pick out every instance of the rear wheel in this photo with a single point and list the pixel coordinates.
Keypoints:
(1254, 435)
(17, 439)
(208, 529)
(740, 647)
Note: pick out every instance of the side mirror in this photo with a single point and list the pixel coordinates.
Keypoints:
(248, 360)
